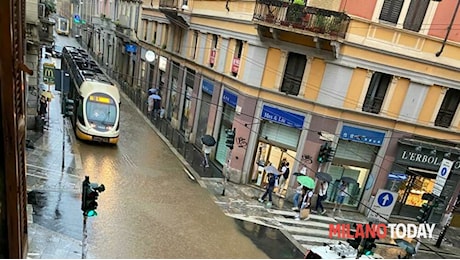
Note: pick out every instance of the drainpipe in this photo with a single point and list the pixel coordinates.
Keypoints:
(448, 29)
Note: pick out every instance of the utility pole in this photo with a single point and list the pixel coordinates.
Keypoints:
(447, 225)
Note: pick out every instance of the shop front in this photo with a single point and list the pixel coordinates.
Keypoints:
(354, 158)
(207, 89)
(229, 101)
(414, 173)
(278, 139)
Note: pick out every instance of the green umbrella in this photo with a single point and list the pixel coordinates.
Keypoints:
(306, 181)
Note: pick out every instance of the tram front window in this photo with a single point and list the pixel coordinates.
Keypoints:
(101, 115)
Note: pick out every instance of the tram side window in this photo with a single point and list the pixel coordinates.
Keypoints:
(80, 111)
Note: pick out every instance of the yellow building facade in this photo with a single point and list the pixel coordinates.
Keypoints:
(291, 78)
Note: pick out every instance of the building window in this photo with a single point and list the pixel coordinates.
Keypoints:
(293, 73)
(195, 43)
(391, 10)
(237, 57)
(376, 92)
(415, 15)
(146, 24)
(212, 57)
(448, 108)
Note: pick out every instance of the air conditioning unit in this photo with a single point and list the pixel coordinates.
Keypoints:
(41, 10)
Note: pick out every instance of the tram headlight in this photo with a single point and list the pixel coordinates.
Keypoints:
(109, 127)
(92, 125)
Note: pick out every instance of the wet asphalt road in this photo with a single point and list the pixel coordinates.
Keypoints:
(150, 208)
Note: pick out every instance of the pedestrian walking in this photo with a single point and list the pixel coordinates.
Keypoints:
(156, 108)
(341, 196)
(304, 209)
(297, 196)
(283, 178)
(322, 195)
(42, 109)
(150, 102)
(269, 189)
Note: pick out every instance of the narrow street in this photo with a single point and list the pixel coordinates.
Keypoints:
(150, 209)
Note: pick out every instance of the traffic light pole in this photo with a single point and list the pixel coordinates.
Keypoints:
(63, 142)
(444, 229)
(85, 236)
(229, 156)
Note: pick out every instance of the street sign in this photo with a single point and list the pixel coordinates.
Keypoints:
(76, 18)
(443, 173)
(48, 73)
(383, 205)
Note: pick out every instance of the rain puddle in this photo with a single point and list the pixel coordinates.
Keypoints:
(269, 240)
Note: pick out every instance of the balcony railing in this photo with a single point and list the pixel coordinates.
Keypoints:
(169, 4)
(283, 13)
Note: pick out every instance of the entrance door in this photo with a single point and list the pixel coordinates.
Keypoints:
(270, 154)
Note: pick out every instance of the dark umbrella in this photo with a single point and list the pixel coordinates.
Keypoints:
(405, 245)
(298, 174)
(208, 140)
(348, 180)
(324, 176)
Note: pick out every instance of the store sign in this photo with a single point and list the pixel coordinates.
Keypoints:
(362, 135)
(229, 98)
(212, 57)
(441, 178)
(235, 65)
(130, 48)
(207, 86)
(407, 155)
(162, 63)
(282, 117)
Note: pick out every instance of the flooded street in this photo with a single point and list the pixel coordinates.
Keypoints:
(150, 208)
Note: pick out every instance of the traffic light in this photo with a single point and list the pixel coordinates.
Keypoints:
(329, 154)
(90, 194)
(322, 156)
(68, 107)
(230, 138)
(424, 212)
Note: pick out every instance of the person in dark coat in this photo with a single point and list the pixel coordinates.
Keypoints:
(269, 188)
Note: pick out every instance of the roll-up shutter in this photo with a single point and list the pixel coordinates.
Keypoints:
(280, 134)
(355, 151)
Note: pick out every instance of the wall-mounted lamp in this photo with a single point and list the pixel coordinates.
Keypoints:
(418, 148)
(433, 152)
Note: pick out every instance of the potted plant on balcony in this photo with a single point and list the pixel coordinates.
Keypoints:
(319, 24)
(269, 18)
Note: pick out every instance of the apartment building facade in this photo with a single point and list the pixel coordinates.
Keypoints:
(378, 78)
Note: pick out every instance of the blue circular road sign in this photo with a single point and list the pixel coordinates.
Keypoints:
(443, 171)
(385, 199)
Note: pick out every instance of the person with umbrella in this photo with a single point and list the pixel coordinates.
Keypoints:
(322, 195)
(269, 189)
(307, 194)
(341, 196)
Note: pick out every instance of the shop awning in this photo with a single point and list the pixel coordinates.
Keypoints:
(423, 172)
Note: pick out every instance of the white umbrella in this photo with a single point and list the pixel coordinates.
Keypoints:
(155, 96)
(272, 169)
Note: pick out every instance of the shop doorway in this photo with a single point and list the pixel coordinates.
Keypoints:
(410, 193)
(355, 189)
(270, 153)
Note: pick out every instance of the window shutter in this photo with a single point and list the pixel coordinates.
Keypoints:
(293, 74)
(416, 14)
(391, 10)
(281, 134)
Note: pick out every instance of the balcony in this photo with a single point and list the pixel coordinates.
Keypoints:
(310, 21)
(177, 12)
(169, 4)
